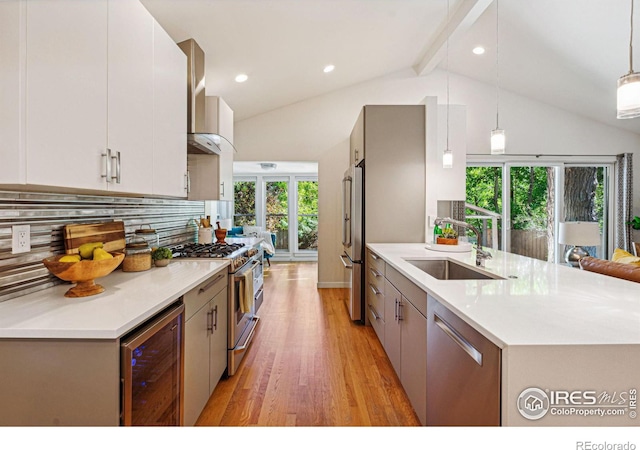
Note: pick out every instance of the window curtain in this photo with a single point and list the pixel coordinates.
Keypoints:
(624, 201)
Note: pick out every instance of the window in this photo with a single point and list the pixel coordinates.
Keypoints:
(532, 198)
(277, 211)
(286, 205)
(244, 196)
(307, 215)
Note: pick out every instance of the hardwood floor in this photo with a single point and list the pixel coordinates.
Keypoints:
(309, 365)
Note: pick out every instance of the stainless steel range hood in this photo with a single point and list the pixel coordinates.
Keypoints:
(201, 137)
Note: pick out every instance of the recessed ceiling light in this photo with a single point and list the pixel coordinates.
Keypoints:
(329, 68)
(478, 50)
(241, 78)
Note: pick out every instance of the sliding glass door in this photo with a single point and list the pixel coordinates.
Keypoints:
(533, 198)
(307, 215)
(277, 210)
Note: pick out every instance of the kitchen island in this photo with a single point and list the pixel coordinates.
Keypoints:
(568, 340)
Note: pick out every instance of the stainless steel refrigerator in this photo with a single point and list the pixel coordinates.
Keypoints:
(353, 236)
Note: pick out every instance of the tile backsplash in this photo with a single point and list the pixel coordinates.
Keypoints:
(47, 214)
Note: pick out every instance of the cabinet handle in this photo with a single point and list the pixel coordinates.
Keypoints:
(458, 339)
(187, 182)
(117, 158)
(210, 320)
(215, 323)
(374, 256)
(108, 158)
(399, 307)
(222, 184)
(114, 157)
(356, 160)
(374, 312)
(375, 273)
(373, 288)
(210, 285)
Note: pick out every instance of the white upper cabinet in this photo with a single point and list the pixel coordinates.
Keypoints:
(169, 116)
(66, 93)
(12, 25)
(130, 95)
(94, 98)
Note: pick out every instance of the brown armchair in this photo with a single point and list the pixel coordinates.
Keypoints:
(614, 269)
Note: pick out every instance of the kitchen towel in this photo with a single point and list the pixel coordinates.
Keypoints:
(267, 244)
(246, 292)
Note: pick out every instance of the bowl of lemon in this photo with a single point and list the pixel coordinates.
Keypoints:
(91, 262)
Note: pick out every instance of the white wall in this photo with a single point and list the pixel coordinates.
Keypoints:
(318, 129)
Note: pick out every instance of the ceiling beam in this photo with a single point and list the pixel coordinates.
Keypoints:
(459, 22)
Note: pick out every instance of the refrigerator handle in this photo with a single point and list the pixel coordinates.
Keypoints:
(346, 212)
(346, 265)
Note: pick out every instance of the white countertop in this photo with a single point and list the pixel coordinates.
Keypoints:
(547, 304)
(129, 299)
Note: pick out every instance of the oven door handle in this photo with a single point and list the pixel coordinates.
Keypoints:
(241, 277)
(247, 341)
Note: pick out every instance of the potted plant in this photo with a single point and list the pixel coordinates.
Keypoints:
(449, 236)
(635, 223)
(161, 256)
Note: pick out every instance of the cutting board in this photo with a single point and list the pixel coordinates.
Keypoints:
(111, 234)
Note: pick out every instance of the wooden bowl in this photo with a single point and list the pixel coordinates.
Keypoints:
(83, 273)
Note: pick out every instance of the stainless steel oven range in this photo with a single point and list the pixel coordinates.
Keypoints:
(245, 272)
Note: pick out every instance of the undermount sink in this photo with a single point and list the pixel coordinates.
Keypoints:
(444, 269)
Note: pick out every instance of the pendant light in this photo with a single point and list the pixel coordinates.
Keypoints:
(498, 138)
(447, 155)
(629, 86)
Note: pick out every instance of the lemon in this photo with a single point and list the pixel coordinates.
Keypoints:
(86, 250)
(100, 254)
(70, 258)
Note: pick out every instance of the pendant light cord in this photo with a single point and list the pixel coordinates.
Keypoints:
(447, 148)
(497, 72)
(631, 42)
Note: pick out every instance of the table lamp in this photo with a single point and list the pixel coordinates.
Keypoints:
(578, 235)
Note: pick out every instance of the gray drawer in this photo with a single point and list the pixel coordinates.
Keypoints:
(375, 294)
(197, 297)
(375, 262)
(377, 322)
(413, 293)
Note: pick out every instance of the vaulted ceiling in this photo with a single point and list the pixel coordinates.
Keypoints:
(567, 53)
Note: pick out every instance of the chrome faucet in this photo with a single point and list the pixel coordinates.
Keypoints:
(481, 255)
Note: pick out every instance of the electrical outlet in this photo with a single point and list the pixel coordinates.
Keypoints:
(21, 239)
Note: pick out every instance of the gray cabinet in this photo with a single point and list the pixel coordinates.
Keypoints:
(393, 138)
(405, 335)
(205, 353)
(356, 141)
(211, 176)
(463, 376)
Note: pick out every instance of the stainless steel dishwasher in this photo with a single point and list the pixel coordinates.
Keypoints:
(463, 372)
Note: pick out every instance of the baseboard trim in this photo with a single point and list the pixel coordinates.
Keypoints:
(333, 284)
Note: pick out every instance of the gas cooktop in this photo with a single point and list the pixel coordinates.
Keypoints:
(215, 250)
